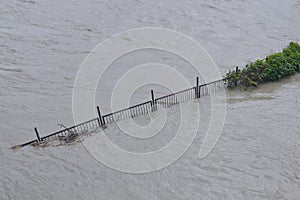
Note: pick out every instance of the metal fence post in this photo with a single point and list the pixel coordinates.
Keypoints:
(37, 134)
(197, 87)
(236, 73)
(152, 101)
(100, 117)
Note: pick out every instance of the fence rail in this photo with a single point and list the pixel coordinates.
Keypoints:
(133, 111)
(176, 98)
(93, 123)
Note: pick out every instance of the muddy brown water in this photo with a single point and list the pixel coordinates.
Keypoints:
(42, 44)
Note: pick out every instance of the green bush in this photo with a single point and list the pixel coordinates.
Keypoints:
(273, 68)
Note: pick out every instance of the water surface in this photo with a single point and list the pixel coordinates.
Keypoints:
(42, 44)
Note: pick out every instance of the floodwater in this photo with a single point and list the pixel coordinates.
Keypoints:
(43, 43)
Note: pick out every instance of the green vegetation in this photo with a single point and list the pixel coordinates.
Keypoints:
(272, 68)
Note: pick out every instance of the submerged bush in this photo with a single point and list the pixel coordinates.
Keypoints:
(272, 68)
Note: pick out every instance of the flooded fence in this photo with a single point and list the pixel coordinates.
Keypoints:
(77, 129)
(176, 98)
(133, 111)
(140, 109)
(73, 130)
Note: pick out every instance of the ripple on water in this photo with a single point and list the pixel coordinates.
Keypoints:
(43, 42)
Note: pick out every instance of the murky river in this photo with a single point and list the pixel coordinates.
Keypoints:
(43, 43)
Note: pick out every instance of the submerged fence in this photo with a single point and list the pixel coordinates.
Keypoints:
(140, 109)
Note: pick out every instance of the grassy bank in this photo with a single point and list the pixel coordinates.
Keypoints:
(274, 67)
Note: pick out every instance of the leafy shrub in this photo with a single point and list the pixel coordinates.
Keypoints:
(273, 68)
